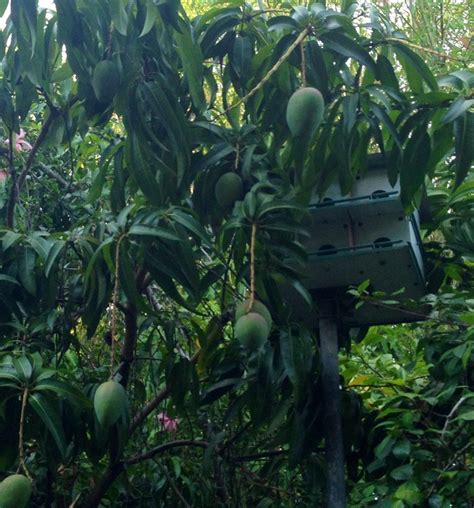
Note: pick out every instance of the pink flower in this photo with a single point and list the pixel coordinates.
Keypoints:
(21, 143)
(3, 175)
(167, 423)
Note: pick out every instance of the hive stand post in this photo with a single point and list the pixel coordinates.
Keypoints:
(328, 337)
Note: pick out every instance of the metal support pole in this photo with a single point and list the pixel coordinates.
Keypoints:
(335, 484)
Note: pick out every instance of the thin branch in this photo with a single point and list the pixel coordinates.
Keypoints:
(141, 416)
(449, 463)
(450, 416)
(165, 447)
(21, 432)
(439, 54)
(419, 315)
(257, 456)
(175, 488)
(17, 185)
(53, 174)
(270, 73)
(252, 265)
(303, 65)
(115, 294)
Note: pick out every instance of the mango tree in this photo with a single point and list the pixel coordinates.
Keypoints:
(153, 178)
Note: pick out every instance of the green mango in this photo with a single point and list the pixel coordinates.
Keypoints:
(15, 491)
(105, 81)
(110, 403)
(304, 112)
(251, 330)
(229, 188)
(257, 306)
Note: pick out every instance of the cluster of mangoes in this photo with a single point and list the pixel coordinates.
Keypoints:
(304, 114)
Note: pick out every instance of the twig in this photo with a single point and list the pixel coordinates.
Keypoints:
(17, 185)
(447, 466)
(153, 403)
(21, 430)
(115, 293)
(261, 455)
(165, 447)
(252, 266)
(45, 169)
(269, 74)
(175, 488)
(76, 499)
(450, 415)
(422, 317)
(303, 65)
(426, 50)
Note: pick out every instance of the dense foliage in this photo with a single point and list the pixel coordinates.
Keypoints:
(118, 261)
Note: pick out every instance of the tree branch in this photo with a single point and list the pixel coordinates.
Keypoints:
(450, 415)
(17, 184)
(141, 416)
(270, 73)
(163, 448)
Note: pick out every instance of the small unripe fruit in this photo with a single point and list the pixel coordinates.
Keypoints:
(258, 307)
(15, 491)
(252, 330)
(110, 403)
(304, 112)
(229, 188)
(105, 81)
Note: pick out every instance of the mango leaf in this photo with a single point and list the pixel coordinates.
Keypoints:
(142, 171)
(156, 231)
(191, 60)
(64, 390)
(10, 238)
(242, 57)
(297, 357)
(412, 62)
(456, 109)
(349, 48)
(191, 224)
(23, 368)
(50, 417)
(119, 16)
(3, 6)
(282, 22)
(53, 255)
(415, 159)
(151, 17)
(26, 269)
(7, 278)
(464, 145)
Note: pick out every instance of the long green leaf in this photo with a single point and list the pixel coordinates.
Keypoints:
(457, 108)
(23, 367)
(191, 60)
(50, 417)
(53, 255)
(156, 231)
(349, 48)
(409, 58)
(464, 144)
(64, 390)
(26, 269)
(7, 278)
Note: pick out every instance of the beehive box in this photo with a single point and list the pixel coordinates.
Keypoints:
(365, 235)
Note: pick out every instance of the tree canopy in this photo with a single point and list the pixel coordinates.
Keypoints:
(122, 260)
